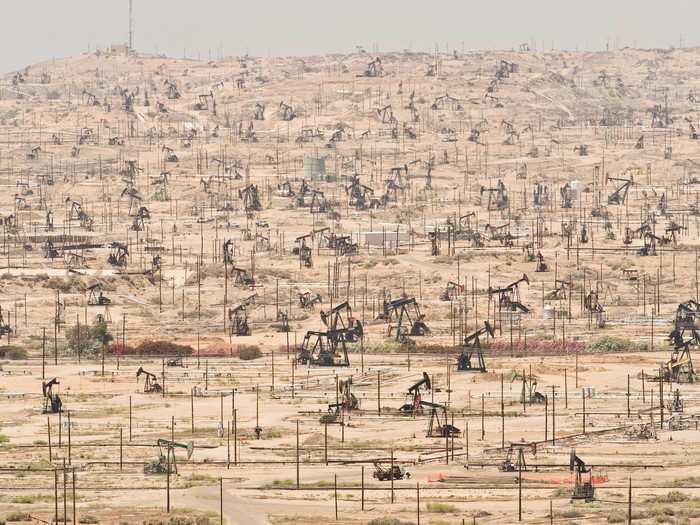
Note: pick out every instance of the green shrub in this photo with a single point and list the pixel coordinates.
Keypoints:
(608, 344)
(88, 339)
(441, 508)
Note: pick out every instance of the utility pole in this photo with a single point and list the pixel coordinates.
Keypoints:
(131, 25)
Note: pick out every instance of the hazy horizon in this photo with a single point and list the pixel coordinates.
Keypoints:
(215, 28)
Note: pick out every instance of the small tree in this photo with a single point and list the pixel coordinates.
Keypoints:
(88, 340)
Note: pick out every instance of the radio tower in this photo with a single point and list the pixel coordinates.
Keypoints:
(131, 25)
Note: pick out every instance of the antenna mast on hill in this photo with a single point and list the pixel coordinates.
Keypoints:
(131, 25)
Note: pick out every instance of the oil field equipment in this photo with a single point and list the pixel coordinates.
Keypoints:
(166, 463)
(472, 346)
(151, 384)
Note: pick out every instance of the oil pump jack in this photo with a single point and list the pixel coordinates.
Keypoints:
(620, 194)
(251, 200)
(238, 320)
(509, 295)
(118, 254)
(346, 403)
(498, 196)
(472, 345)
(173, 92)
(52, 402)
(166, 463)
(679, 368)
(329, 348)
(374, 69)
(516, 451)
(567, 195)
(414, 406)
(405, 318)
(592, 305)
(452, 290)
(259, 112)
(96, 296)
(151, 384)
(438, 426)
(203, 103)
(582, 489)
(286, 112)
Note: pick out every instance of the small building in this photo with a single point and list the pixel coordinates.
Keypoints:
(315, 169)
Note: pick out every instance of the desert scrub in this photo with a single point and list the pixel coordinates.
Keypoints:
(441, 508)
(13, 352)
(608, 344)
(617, 516)
(249, 352)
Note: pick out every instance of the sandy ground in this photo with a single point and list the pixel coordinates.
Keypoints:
(530, 134)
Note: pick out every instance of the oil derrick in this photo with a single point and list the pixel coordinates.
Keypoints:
(472, 346)
(509, 296)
